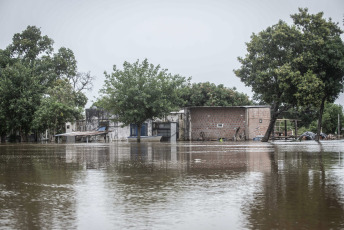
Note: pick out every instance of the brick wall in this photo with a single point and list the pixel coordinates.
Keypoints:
(216, 122)
(258, 121)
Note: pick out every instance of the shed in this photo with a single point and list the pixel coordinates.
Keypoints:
(230, 123)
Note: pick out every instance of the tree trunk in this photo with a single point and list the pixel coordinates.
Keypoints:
(53, 138)
(317, 138)
(3, 138)
(273, 119)
(139, 133)
(21, 135)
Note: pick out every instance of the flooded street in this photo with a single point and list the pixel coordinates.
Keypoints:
(183, 185)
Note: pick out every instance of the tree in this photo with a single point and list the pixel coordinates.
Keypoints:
(295, 66)
(267, 68)
(64, 63)
(330, 118)
(20, 94)
(29, 44)
(209, 94)
(64, 66)
(59, 105)
(22, 79)
(139, 92)
(322, 57)
(29, 74)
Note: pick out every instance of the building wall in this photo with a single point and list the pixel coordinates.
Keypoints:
(198, 123)
(258, 121)
(181, 124)
(70, 127)
(178, 117)
(119, 133)
(212, 123)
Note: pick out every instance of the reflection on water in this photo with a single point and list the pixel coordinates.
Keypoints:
(196, 185)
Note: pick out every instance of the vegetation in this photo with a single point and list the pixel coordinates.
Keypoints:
(209, 94)
(59, 105)
(141, 91)
(322, 59)
(20, 91)
(39, 89)
(329, 120)
(295, 66)
(267, 69)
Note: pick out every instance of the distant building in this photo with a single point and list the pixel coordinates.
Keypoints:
(230, 123)
(96, 118)
(192, 123)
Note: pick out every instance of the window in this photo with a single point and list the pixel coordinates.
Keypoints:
(133, 129)
(219, 125)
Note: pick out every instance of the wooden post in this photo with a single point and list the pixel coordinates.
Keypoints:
(295, 129)
(285, 130)
(273, 133)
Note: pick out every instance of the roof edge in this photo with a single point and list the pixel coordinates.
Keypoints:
(246, 107)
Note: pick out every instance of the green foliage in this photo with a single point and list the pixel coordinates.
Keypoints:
(305, 89)
(268, 69)
(20, 93)
(5, 59)
(321, 59)
(330, 118)
(323, 56)
(59, 105)
(64, 63)
(141, 91)
(38, 89)
(267, 66)
(29, 44)
(209, 94)
(295, 66)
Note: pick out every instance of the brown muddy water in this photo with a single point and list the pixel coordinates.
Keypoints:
(188, 185)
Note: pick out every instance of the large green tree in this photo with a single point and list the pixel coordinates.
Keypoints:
(29, 74)
(209, 94)
(320, 57)
(267, 68)
(22, 80)
(20, 93)
(295, 66)
(141, 91)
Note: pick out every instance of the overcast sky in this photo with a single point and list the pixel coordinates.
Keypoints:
(194, 38)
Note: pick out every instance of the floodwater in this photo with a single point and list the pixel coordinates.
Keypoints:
(183, 185)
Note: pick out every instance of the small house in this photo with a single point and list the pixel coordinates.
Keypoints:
(226, 123)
